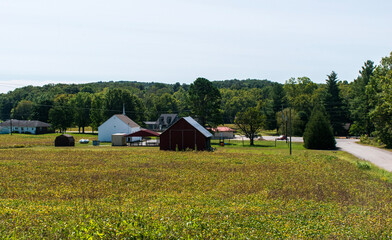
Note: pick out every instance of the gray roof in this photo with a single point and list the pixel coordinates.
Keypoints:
(199, 127)
(127, 120)
(24, 123)
(173, 116)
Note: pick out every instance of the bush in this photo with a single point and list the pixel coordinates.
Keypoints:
(363, 165)
(318, 132)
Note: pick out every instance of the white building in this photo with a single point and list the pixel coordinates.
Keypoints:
(223, 132)
(118, 123)
(24, 126)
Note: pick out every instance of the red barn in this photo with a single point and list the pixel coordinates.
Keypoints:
(186, 133)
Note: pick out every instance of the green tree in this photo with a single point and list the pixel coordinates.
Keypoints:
(267, 110)
(61, 115)
(23, 110)
(380, 98)
(359, 102)
(301, 94)
(81, 102)
(298, 119)
(166, 103)
(278, 98)
(234, 101)
(250, 122)
(41, 109)
(182, 101)
(6, 106)
(115, 99)
(97, 111)
(318, 133)
(204, 102)
(334, 104)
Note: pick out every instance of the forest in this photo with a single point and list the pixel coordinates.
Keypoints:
(360, 107)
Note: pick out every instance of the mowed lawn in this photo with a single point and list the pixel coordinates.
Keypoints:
(235, 192)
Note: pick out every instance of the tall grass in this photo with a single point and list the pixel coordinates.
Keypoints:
(236, 192)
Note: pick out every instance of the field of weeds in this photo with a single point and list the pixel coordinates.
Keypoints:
(235, 192)
(17, 140)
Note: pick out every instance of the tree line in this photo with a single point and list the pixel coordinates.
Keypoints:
(363, 106)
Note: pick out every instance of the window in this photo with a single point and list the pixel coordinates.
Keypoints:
(168, 120)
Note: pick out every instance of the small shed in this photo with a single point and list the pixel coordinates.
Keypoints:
(64, 140)
(119, 139)
(186, 133)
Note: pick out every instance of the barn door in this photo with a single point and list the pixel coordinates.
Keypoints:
(176, 139)
(189, 139)
(183, 139)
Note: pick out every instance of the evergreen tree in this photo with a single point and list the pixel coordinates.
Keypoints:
(204, 101)
(318, 133)
(334, 104)
(359, 104)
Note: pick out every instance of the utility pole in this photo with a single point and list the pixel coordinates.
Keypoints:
(11, 125)
(290, 132)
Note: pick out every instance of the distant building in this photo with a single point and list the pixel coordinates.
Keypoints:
(25, 126)
(164, 122)
(118, 123)
(184, 134)
(223, 132)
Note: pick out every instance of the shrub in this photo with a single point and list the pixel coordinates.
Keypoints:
(363, 165)
(318, 132)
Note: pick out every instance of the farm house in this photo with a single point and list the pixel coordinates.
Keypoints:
(118, 123)
(25, 126)
(186, 133)
(223, 133)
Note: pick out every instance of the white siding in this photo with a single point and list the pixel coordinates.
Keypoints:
(226, 135)
(114, 125)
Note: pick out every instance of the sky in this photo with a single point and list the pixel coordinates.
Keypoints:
(80, 41)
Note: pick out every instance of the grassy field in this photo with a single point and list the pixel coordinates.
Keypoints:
(28, 140)
(235, 192)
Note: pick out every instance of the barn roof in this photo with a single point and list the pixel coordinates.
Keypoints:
(199, 127)
(144, 133)
(24, 123)
(127, 120)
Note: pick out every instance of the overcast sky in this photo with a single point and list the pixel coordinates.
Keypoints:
(78, 41)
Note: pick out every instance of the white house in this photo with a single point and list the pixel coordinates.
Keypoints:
(118, 123)
(24, 126)
(223, 132)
